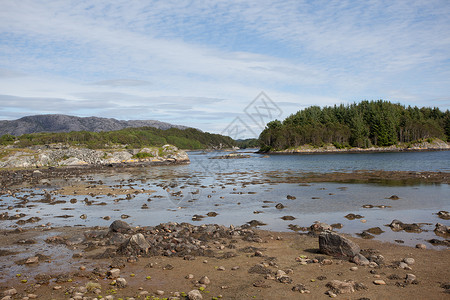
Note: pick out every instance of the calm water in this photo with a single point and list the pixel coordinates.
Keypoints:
(240, 190)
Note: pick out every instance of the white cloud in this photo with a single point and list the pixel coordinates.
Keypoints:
(202, 62)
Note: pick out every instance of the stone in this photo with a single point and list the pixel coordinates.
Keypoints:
(279, 206)
(10, 292)
(113, 273)
(195, 295)
(444, 215)
(159, 292)
(189, 276)
(360, 260)
(121, 282)
(409, 260)
(379, 282)
(119, 226)
(32, 260)
(403, 265)
(421, 246)
(204, 280)
(397, 225)
(135, 245)
(341, 287)
(319, 227)
(333, 244)
(442, 229)
(353, 268)
(410, 278)
(221, 268)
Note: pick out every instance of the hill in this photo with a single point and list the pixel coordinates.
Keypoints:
(364, 124)
(64, 123)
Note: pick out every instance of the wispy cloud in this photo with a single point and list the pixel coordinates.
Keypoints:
(202, 62)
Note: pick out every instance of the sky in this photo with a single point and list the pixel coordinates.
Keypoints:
(220, 66)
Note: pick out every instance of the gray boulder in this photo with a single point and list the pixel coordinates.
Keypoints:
(333, 244)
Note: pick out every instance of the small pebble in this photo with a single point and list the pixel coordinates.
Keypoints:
(409, 260)
(353, 268)
(379, 282)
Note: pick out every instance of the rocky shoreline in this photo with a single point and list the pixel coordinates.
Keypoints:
(435, 145)
(183, 261)
(60, 155)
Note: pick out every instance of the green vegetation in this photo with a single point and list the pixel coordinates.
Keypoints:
(142, 155)
(364, 124)
(131, 137)
(248, 143)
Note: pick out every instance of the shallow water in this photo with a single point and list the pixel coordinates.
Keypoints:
(240, 190)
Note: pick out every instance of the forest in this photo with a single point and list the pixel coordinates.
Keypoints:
(187, 139)
(363, 124)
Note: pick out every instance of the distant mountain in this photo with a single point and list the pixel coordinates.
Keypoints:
(64, 123)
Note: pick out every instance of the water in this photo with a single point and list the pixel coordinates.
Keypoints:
(240, 190)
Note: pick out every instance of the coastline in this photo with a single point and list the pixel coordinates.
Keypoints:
(435, 145)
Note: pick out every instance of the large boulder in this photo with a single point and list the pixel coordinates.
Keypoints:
(333, 244)
(119, 226)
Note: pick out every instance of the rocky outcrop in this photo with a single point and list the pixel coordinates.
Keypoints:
(436, 144)
(62, 155)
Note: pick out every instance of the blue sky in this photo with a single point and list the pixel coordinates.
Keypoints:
(201, 63)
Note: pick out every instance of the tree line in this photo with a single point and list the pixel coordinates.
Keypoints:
(364, 124)
(189, 139)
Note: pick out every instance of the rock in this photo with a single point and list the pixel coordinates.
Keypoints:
(10, 292)
(195, 295)
(32, 260)
(121, 283)
(379, 282)
(441, 229)
(204, 280)
(113, 273)
(421, 246)
(159, 292)
(354, 269)
(341, 287)
(333, 244)
(285, 279)
(319, 227)
(394, 197)
(136, 245)
(403, 265)
(360, 259)
(375, 230)
(397, 225)
(279, 206)
(300, 288)
(444, 215)
(289, 197)
(410, 278)
(119, 226)
(221, 268)
(409, 260)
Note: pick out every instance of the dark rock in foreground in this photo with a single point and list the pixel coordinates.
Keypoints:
(335, 245)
